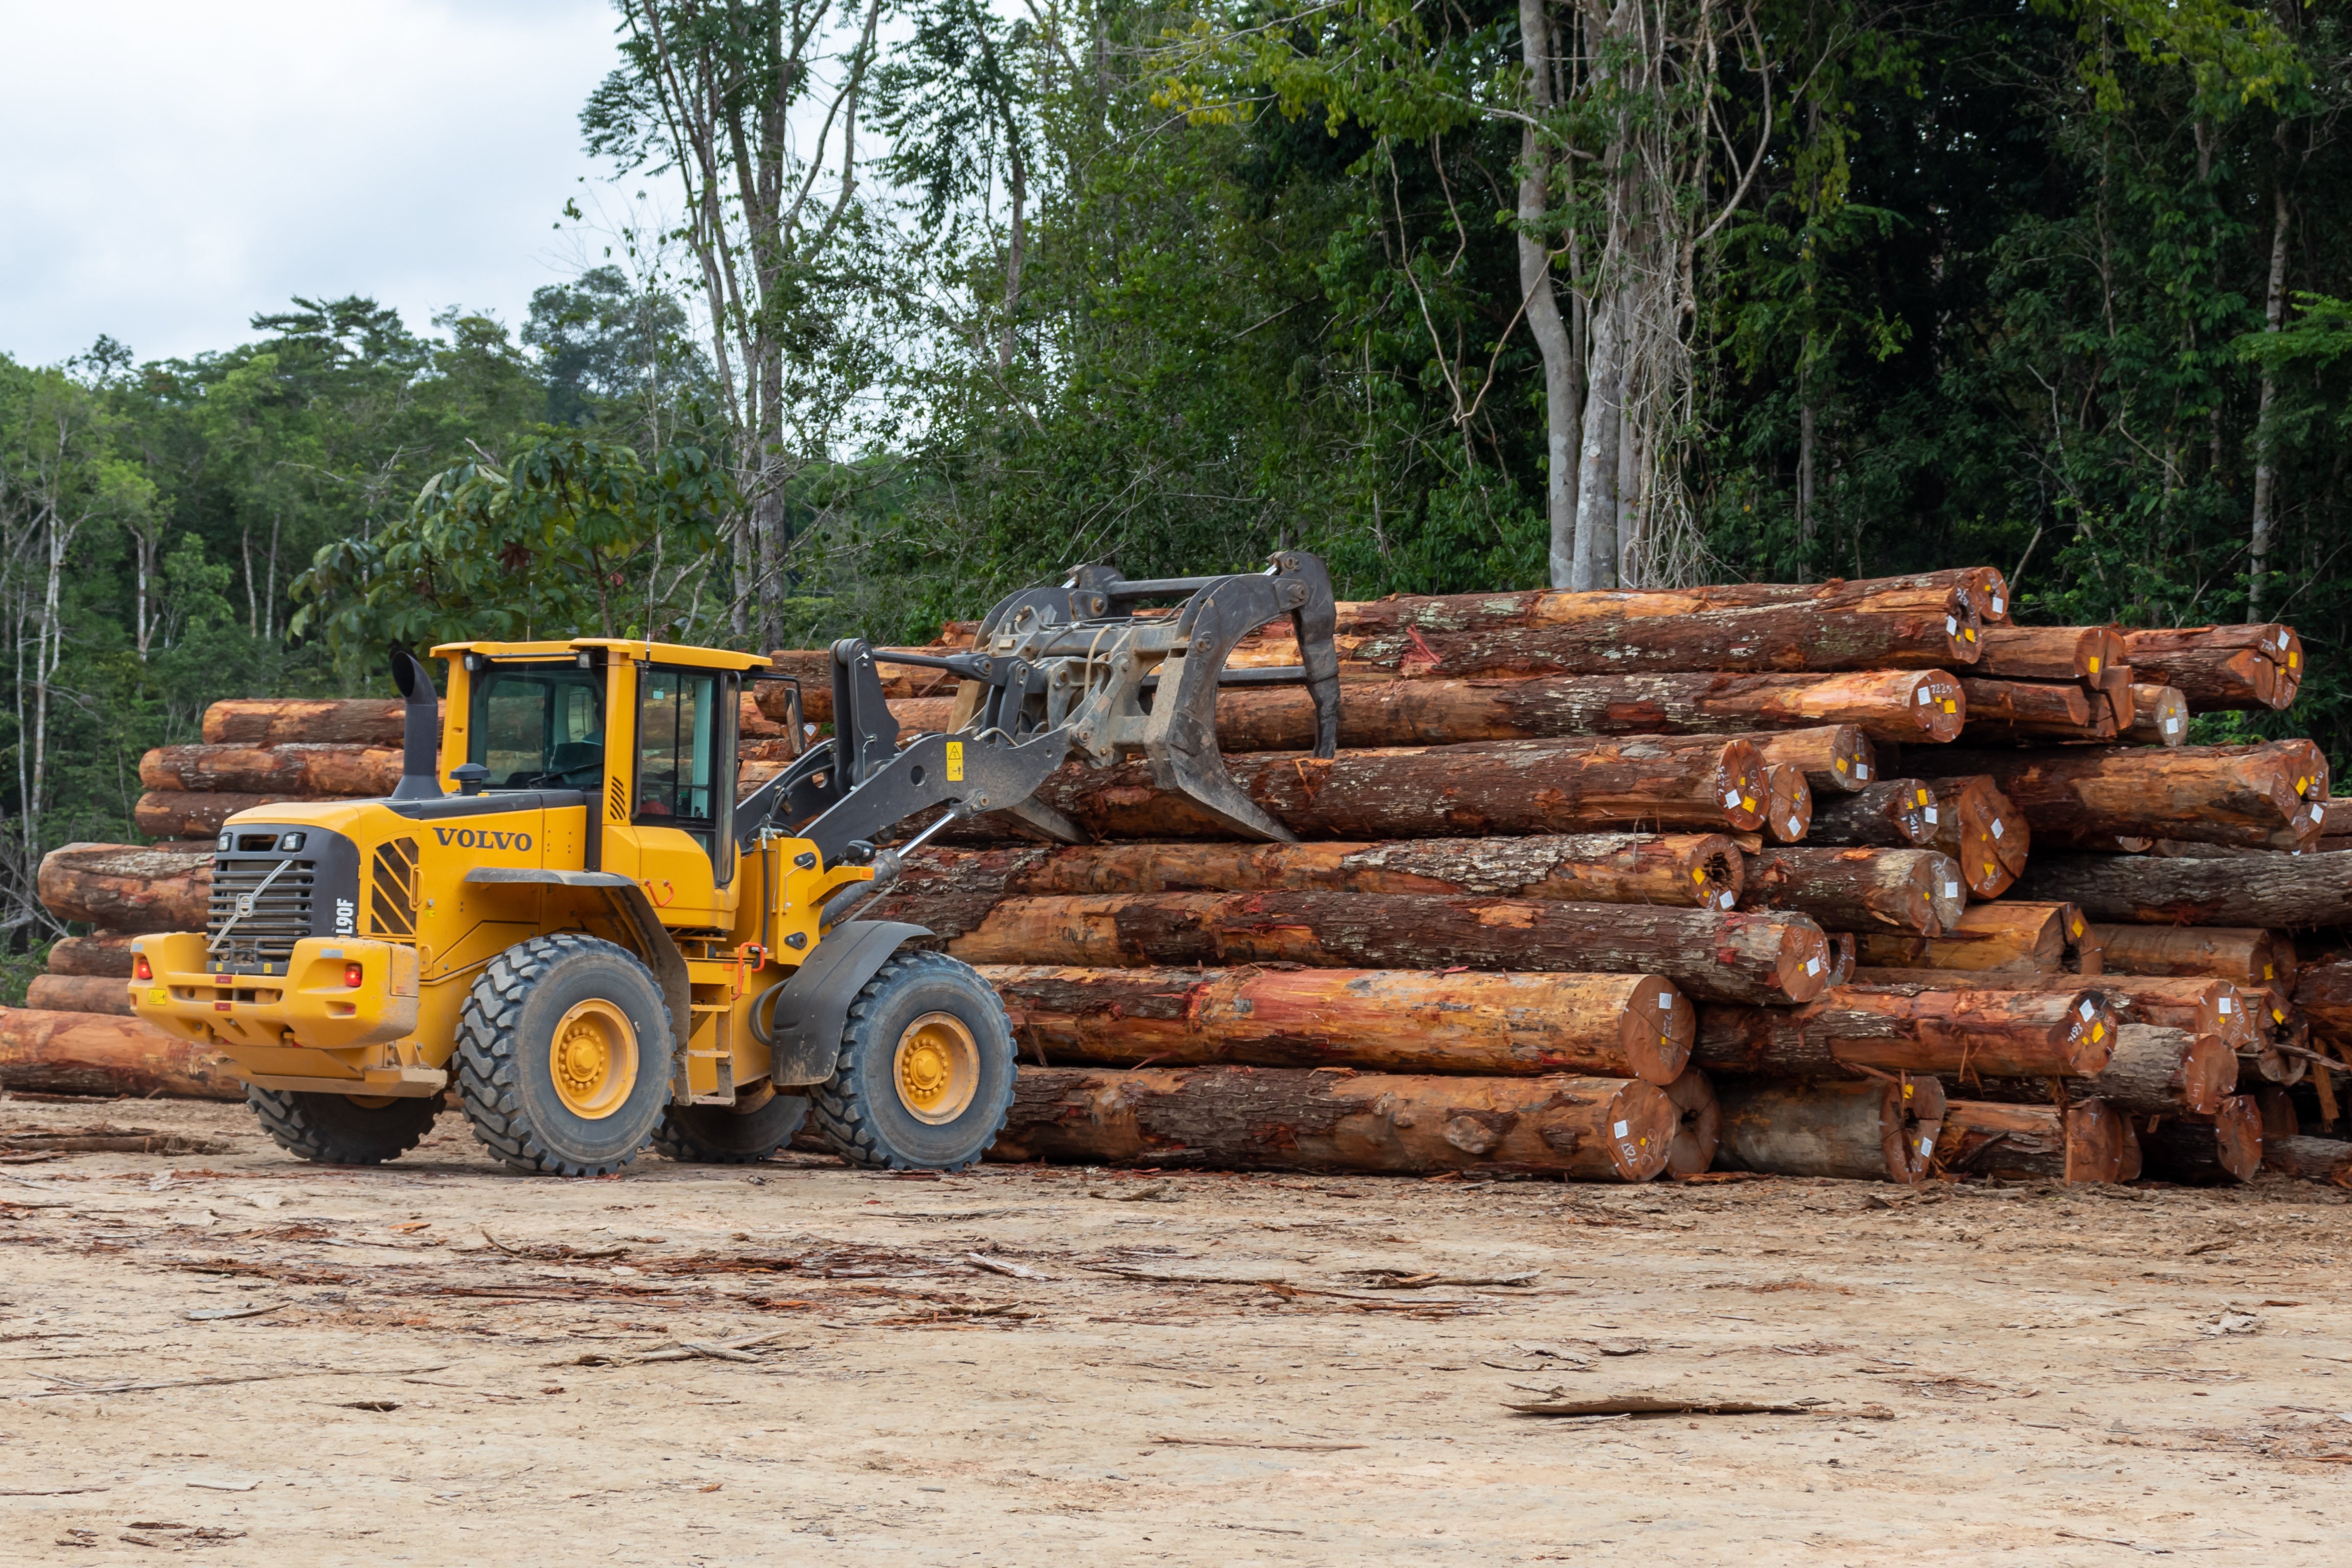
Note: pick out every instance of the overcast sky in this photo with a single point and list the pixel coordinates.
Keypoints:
(169, 169)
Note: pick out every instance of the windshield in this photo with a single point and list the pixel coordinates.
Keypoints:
(539, 726)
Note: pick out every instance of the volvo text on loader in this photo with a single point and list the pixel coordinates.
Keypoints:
(599, 946)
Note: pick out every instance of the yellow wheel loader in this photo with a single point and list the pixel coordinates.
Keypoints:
(564, 912)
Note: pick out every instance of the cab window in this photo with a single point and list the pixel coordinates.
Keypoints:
(539, 726)
(678, 741)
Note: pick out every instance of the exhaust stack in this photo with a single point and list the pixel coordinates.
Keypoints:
(420, 735)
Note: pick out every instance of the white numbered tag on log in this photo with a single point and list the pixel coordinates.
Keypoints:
(2225, 1007)
(1622, 1128)
(1930, 814)
(1996, 827)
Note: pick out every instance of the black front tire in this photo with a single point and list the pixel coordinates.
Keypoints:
(724, 1136)
(335, 1130)
(507, 1062)
(864, 1112)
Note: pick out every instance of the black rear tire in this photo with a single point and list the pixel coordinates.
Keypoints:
(723, 1136)
(537, 1107)
(334, 1130)
(867, 1110)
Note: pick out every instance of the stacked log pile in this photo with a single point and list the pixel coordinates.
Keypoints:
(1853, 879)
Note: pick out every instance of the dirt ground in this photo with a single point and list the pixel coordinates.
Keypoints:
(438, 1362)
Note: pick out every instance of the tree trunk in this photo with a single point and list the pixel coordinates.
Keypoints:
(1889, 814)
(2199, 1006)
(78, 994)
(1563, 412)
(2256, 795)
(2156, 1071)
(2207, 1151)
(2010, 936)
(1642, 632)
(2159, 716)
(1728, 957)
(2084, 656)
(1692, 871)
(1593, 558)
(1892, 705)
(1388, 1020)
(1790, 808)
(2268, 890)
(95, 1053)
(1866, 1129)
(1913, 1029)
(2256, 665)
(1500, 787)
(179, 814)
(1241, 1118)
(292, 770)
(282, 721)
(2258, 539)
(2246, 956)
(2083, 1143)
(2012, 713)
(2327, 1160)
(1700, 1131)
(125, 887)
(1836, 760)
(1916, 891)
(105, 952)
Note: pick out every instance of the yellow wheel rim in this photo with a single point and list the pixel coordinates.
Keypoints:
(593, 1059)
(936, 1068)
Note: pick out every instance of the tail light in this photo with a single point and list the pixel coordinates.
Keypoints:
(139, 968)
(352, 973)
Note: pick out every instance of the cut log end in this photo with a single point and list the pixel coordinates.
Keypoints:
(1700, 1133)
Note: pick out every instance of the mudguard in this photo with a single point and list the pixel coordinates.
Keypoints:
(812, 1006)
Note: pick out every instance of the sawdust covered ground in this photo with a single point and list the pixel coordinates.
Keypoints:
(437, 1363)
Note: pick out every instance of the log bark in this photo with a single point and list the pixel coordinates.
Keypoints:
(1922, 704)
(2323, 994)
(94, 1054)
(1699, 1130)
(178, 814)
(103, 953)
(1868, 1129)
(2270, 890)
(2326, 1160)
(78, 994)
(1718, 956)
(2217, 668)
(1392, 1020)
(1918, 891)
(1504, 787)
(2072, 654)
(1890, 814)
(2159, 716)
(1703, 629)
(2083, 1143)
(1788, 809)
(1697, 871)
(1240, 1118)
(2247, 955)
(2275, 1108)
(2155, 1070)
(2200, 1006)
(1836, 758)
(1980, 588)
(1912, 1028)
(812, 667)
(2130, 1167)
(359, 721)
(126, 887)
(2010, 936)
(2015, 713)
(2212, 1151)
(2259, 795)
(294, 771)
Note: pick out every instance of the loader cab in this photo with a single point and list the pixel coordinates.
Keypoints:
(645, 732)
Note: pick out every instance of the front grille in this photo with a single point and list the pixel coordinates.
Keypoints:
(262, 941)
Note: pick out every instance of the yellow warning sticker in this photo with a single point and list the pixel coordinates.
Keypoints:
(955, 762)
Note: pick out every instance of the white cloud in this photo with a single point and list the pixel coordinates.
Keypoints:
(169, 169)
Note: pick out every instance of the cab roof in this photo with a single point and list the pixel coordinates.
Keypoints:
(635, 648)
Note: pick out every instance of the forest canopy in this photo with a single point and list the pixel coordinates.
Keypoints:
(955, 296)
